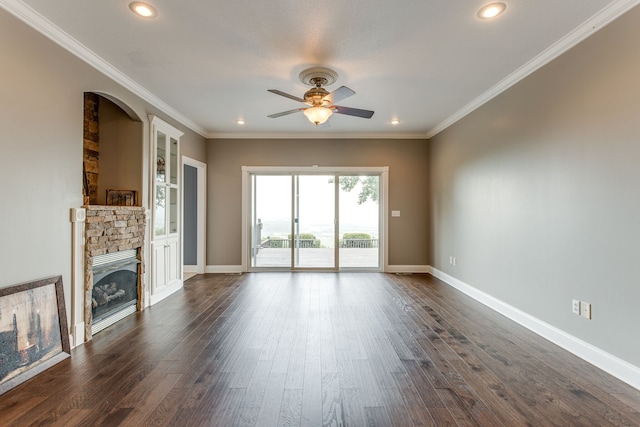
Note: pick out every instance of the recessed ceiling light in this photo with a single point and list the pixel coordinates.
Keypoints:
(240, 122)
(395, 122)
(142, 9)
(491, 10)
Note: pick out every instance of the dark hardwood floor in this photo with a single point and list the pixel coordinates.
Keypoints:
(320, 349)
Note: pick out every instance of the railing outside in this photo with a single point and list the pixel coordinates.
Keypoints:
(359, 243)
(286, 243)
(315, 243)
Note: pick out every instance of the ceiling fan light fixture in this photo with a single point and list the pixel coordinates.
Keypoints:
(143, 9)
(318, 115)
(491, 10)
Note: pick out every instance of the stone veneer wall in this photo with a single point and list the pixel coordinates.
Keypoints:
(91, 150)
(110, 229)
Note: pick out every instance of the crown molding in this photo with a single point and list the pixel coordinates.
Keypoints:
(316, 135)
(36, 21)
(589, 27)
(51, 31)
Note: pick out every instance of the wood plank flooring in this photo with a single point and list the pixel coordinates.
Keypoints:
(320, 349)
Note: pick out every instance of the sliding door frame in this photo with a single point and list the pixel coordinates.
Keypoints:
(247, 201)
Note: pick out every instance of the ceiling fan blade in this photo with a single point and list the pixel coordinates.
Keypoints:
(339, 94)
(365, 114)
(286, 95)
(285, 113)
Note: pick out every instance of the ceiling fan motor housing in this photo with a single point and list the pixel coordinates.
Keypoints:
(318, 77)
(316, 97)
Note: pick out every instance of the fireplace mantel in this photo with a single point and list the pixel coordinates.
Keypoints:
(110, 229)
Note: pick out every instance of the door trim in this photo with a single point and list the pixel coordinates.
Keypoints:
(201, 204)
(383, 171)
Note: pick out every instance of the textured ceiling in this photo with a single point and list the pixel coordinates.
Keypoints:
(424, 62)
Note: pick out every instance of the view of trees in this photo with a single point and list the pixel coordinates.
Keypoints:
(369, 188)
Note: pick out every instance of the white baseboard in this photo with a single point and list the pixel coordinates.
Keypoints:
(190, 268)
(236, 269)
(390, 269)
(609, 363)
(77, 335)
(408, 269)
(160, 295)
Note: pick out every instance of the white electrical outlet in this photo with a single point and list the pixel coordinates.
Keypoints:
(455, 262)
(585, 309)
(576, 307)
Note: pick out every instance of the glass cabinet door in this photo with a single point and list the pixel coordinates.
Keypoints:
(160, 228)
(173, 210)
(166, 186)
(173, 168)
(161, 148)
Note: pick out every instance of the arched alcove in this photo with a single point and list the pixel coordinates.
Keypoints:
(113, 158)
(124, 107)
(113, 154)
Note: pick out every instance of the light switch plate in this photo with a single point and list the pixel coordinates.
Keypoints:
(576, 306)
(395, 213)
(585, 309)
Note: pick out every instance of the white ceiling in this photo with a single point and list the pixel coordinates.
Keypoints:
(425, 62)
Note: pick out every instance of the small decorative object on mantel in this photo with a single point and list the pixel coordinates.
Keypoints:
(33, 330)
(121, 197)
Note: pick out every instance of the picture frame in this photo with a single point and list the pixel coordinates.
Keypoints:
(121, 197)
(34, 334)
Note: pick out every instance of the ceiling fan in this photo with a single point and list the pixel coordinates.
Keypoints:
(320, 101)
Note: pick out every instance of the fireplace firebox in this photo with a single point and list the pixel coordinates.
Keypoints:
(115, 288)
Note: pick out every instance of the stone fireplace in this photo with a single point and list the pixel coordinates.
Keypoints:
(114, 243)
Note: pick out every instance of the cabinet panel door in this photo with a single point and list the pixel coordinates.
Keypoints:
(173, 261)
(159, 269)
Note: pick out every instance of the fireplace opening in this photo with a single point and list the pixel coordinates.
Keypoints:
(115, 288)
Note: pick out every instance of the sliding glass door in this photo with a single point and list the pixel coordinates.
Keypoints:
(359, 221)
(302, 221)
(272, 221)
(314, 221)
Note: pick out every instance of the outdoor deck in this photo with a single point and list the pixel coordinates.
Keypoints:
(318, 258)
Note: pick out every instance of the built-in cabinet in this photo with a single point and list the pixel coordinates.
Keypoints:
(166, 260)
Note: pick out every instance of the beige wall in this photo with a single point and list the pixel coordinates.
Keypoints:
(537, 192)
(41, 121)
(193, 145)
(408, 181)
(120, 151)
